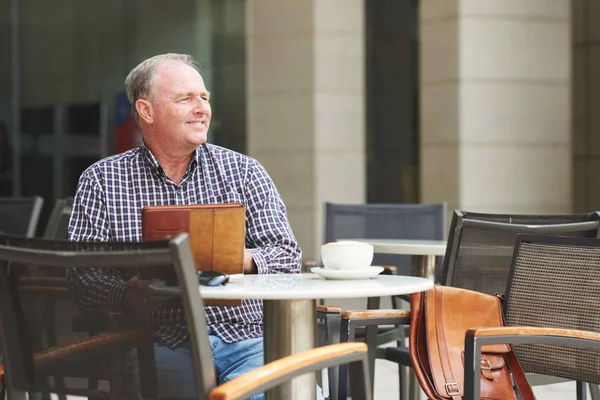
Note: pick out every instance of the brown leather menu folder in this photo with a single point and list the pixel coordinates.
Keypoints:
(216, 232)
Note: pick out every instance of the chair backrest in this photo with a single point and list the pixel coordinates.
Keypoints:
(555, 283)
(58, 223)
(480, 246)
(20, 215)
(386, 221)
(43, 350)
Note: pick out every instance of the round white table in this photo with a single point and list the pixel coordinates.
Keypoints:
(290, 311)
(423, 252)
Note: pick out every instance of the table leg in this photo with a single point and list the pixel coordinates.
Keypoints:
(423, 266)
(289, 328)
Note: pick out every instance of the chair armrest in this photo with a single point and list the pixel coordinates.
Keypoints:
(310, 263)
(43, 285)
(44, 289)
(88, 344)
(527, 333)
(367, 314)
(478, 337)
(282, 370)
(389, 270)
(46, 280)
(329, 309)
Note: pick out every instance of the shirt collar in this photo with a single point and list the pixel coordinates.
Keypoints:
(155, 166)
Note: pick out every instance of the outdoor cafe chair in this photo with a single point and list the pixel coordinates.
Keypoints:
(376, 221)
(478, 257)
(58, 222)
(551, 310)
(20, 215)
(44, 354)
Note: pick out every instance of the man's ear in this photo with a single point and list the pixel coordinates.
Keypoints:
(144, 109)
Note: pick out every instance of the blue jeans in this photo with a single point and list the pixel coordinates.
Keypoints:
(174, 366)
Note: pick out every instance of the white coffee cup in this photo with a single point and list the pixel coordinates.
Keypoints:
(346, 255)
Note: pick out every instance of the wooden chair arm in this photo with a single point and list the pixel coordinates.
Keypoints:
(329, 309)
(88, 344)
(364, 314)
(310, 263)
(44, 289)
(43, 285)
(389, 270)
(476, 338)
(522, 332)
(276, 372)
(36, 280)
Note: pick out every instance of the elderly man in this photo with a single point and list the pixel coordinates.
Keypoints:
(175, 165)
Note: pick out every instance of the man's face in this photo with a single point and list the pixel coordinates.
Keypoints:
(181, 108)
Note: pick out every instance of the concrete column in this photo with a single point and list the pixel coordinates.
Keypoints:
(586, 102)
(306, 105)
(495, 105)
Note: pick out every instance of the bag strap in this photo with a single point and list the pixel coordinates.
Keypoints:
(519, 376)
(452, 387)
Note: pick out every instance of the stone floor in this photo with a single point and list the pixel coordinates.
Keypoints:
(386, 385)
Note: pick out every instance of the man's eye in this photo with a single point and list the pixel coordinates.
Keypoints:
(205, 98)
(185, 99)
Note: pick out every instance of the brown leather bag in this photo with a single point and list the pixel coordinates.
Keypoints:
(440, 318)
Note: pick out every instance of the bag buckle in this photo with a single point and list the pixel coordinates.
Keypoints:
(485, 363)
(452, 389)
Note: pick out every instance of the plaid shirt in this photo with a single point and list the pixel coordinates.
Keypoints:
(108, 207)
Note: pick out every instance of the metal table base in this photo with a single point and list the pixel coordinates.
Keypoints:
(289, 328)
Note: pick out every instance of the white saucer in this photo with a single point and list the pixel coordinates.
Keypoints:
(363, 273)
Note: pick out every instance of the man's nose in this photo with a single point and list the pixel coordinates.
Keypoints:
(201, 105)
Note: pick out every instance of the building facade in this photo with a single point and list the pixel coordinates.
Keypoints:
(484, 104)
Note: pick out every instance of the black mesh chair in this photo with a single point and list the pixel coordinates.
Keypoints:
(376, 221)
(20, 215)
(58, 223)
(44, 354)
(386, 221)
(478, 257)
(551, 309)
(480, 246)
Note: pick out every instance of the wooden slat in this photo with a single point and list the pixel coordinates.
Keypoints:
(364, 314)
(87, 344)
(329, 309)
(44, 289)
(42, 279)
(237, 387)
(520, 330)
(389, 270)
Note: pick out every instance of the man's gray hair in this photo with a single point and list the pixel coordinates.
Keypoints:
(140, 79)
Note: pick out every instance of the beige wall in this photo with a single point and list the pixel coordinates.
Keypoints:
(495, 114)
(306, 105)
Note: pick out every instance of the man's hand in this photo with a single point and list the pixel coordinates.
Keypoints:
(139, 299)
(249, 264)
